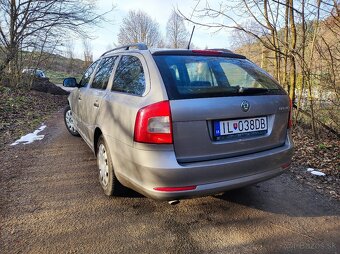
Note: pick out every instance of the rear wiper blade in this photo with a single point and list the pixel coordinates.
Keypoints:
(253, 90)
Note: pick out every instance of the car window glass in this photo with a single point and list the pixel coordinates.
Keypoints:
(237, 76)
(200, 73)
(103, 73)
(174, 72)
(129, 77)
(87, 75)
(187, 76)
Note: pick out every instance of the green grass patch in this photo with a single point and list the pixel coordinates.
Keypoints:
(57, 77)
(322, 146)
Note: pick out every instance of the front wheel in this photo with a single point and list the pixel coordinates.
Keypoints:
(69, 121)
(107, 177)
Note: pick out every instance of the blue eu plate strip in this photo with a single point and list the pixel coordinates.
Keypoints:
(217, 129)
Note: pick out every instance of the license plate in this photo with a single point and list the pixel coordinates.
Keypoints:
(239, 126)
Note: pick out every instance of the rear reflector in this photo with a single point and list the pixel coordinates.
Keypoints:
(170, 189)
(286, 165)
(207, 52)
(153, 124)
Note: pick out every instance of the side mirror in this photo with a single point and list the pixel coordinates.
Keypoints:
(70, 82)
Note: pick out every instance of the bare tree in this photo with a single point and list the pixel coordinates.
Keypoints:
(293, 41)
(138, 26)
(239, 38)
(176, 33)
(69, 48)
(31, 24)
(88, 55)
(285, 42)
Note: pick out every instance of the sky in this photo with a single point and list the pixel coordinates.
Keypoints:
(105, 36)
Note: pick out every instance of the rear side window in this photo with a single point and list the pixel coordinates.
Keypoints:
(129, 76)
(187, 76)
(103, 73)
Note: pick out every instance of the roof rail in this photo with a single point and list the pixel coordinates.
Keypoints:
(140, 46)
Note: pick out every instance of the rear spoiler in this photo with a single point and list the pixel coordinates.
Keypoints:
(210, 52)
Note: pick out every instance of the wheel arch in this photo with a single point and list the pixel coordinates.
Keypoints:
(69, 102)
(97, 134)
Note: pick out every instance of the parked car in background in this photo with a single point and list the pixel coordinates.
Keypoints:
(175, 124)
(34, 72)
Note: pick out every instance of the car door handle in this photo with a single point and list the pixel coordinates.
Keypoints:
(96, 104)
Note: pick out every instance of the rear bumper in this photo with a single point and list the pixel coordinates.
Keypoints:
(208, 189)
(149, 169)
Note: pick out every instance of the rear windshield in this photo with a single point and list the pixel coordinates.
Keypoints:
(210, 76)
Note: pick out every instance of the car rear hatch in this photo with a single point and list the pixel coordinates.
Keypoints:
(222, 105)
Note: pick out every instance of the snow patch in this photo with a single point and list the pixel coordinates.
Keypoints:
(31, 137)
(315, 172)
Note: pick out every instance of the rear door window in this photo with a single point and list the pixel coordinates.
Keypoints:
(103, 73)
(129, 76)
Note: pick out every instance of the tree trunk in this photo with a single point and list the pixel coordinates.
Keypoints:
(264, 58)
(286, 38)
(303, 60)
(310, 91)
(292, 83)
(272, 39)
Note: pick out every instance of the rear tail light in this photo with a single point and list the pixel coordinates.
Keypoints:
(290, 118)
(170, 189)
(153, 124)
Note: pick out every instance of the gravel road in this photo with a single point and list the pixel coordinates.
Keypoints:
(51, 202)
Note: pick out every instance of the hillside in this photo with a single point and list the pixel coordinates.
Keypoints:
(56, 66)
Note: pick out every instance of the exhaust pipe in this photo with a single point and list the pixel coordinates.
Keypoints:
(173, 202)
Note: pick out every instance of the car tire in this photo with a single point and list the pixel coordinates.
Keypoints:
(107, 178)
(69, 121)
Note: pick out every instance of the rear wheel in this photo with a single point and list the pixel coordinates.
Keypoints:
(107, 177)
(69, 122)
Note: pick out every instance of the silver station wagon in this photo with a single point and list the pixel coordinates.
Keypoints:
(174, 124)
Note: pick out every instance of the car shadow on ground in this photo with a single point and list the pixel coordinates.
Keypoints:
(125, 192)
(283, 195)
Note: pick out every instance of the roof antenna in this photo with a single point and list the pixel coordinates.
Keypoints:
(193, 29)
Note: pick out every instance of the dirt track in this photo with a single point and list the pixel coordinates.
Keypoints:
(51, 202)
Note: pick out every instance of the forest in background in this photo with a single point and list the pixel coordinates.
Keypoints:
(321, 91)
